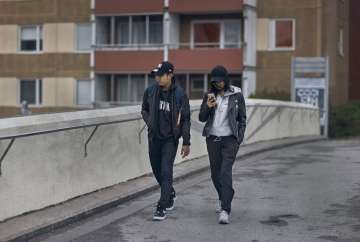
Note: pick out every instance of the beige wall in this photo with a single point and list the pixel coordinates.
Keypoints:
(44, 11)
(262, 41)
(8, 91)
(56, 92)
(8, 38)
(59, 92)
(59, 37)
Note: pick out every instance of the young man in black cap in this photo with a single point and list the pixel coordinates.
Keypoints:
(166, 112)
(223, 109)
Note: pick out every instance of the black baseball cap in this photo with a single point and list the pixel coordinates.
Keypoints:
(164, 67)
(219, 73)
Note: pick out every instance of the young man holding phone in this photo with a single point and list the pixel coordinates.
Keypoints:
(166, 112)
(224, 111)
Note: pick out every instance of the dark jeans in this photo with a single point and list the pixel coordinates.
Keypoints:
(222, 154)
(162, 155)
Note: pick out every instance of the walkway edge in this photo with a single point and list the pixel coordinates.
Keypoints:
(26, 226)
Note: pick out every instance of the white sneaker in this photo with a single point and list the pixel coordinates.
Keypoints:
(218, 209)
(223, 217)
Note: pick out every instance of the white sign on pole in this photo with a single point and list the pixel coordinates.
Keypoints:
(312, 90)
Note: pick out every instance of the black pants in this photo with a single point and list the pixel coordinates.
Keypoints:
(162, 155)
(222, 154)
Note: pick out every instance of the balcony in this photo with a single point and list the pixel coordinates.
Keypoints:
(108, 7)
(203, 60)
(127, 61)
(208, 6)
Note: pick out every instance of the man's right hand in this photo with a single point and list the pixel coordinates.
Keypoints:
(211, 102)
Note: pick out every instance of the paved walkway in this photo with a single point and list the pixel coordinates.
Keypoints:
(308, 192)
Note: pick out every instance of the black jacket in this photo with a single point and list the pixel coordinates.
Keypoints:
(180, 109)
(236, 113)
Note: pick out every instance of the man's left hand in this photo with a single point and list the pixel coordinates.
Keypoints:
(185, 151)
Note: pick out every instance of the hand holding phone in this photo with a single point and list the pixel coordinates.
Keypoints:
(211, 102)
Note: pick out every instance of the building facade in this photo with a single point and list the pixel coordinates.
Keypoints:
(354, 88)
(133, 36)
(45, 50)
(307, 28)
(81, 53)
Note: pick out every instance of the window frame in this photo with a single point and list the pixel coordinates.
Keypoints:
(145, 46)
(39, 36)
(77, 37)
(77, 93)
(341, 43)
(38, 99)
(222, 32)
(272, 35)
(191, 80)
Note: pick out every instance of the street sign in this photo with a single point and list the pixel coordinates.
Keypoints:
(312, 90)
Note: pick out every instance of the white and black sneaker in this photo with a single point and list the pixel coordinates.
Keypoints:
(224, 217)
(159, 214)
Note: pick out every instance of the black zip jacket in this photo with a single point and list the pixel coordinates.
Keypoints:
(236, 112)
(180, 111)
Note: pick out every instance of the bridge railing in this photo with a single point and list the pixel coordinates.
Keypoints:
(50, 158)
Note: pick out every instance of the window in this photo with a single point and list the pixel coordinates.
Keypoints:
(83, 34)
(31, 39)
(155, 30)
(83, 92)
(216, 34)
(197, 83)
(129, 89)
(138, 31)
(123, 30)
(137, 88)
(232, 30)
(282, 34)
(31, 91)
(207, 35)
(122, 89)
(341, 42)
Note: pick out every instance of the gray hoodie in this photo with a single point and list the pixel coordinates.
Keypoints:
(221, 125)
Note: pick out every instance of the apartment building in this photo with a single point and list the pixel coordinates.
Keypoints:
(45, 50)
(76, 53)
(306, 28)
(133, 36)
(355, 50)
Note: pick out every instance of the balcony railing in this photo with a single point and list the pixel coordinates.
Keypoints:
(210, 45)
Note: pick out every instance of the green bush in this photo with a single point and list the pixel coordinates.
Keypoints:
(345, 120)
(272, 95)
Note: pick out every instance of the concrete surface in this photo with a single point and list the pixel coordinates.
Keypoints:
(308, 192)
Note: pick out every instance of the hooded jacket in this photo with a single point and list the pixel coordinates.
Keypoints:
(236, 112)
(180, 111)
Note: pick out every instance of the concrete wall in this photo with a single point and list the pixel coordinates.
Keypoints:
(47, 169)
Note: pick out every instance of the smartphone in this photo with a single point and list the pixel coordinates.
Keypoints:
(211, 97)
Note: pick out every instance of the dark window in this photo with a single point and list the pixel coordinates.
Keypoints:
(284, 34)
(207, 35)
(31, 91)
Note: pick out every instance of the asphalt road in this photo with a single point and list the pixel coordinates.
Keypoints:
(303, 193)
